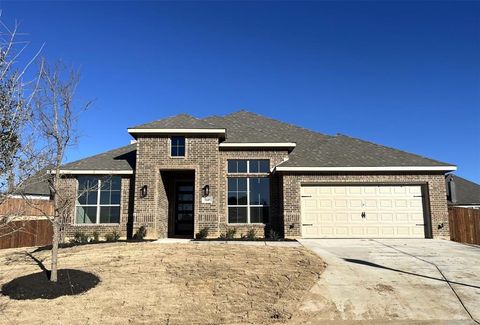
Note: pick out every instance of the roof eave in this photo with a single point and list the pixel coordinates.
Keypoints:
(261, 145)
(136, 131)
(367, 169)
(92, 172)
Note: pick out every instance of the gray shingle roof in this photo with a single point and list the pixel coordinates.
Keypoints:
(37, 184)
(467, 192)
(181, 121)
(123, 158)
(312, 149)
(315, 149)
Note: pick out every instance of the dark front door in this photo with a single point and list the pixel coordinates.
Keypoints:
(184, 199)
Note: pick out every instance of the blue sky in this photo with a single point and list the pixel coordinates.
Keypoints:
(402, 74)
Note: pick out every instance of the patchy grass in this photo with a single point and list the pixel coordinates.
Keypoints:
(174, 284)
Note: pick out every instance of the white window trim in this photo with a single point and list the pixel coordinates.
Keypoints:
(98, 206)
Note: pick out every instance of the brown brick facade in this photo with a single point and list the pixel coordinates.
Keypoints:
(434, 184)
(208, 165)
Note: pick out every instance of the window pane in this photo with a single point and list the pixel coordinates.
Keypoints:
(178, 141)
(232, 198)
(115, 197)
(82, 199)
(87, 183)
(259, 191)
(86, 215)
(237, 215)
(92, 197)
(185, 197)
(264, 166)
(105, 197)
(242, 198)
(253, 166)
(232, 184)
(232, 166)
(259, 166)
(237, 166)
(181, 151)
(259, 215)
(242, 166)
(174, 151)
(185, 207)
(109, 214)
(242, 184)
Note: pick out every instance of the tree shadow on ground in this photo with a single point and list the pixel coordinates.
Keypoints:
(367, 263)
(38, 285)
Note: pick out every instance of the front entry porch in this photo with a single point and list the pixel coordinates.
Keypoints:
(179, 188)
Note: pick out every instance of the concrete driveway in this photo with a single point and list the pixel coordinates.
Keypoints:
(394, 280)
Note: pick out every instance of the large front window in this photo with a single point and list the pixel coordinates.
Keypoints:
(248, 197)
(98, 200)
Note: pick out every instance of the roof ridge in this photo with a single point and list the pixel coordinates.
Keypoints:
(278, 121)
(391, 148)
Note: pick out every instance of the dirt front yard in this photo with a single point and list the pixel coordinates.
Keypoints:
(169, 284)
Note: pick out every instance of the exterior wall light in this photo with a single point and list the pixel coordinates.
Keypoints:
(144, 191)
(205, 190)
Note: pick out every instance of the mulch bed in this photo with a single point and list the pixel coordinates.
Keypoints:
(38, 286)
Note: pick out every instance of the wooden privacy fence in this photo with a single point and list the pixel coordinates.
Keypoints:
(464, 225)
(26, 233)
(28, 225)
(29, 208)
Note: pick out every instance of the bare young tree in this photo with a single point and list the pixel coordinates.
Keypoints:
(37, 126)
(19, 156)
(57, 112)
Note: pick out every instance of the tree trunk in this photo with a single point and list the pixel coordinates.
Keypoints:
(55, 240)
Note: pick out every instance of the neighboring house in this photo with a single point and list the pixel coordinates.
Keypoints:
(247, 171)
(462, 193)
(36, 187)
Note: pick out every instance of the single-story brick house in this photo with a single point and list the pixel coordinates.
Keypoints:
(182, 174)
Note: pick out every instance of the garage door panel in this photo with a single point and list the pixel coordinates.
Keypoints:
(336, 211)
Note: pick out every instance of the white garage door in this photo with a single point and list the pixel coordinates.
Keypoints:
(362, 211)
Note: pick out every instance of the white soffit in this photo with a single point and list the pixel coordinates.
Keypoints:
(174, 131)
(361, 169)
(93, 172)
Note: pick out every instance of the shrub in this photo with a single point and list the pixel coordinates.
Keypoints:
(231, 232)
(202, 234)
(96, 237)
(113, 236)
(79, 238)
(140, 233)
(273, 235)
(251, 234)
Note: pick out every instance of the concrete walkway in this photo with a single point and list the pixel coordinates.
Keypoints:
(228, 242)
(394, 280)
